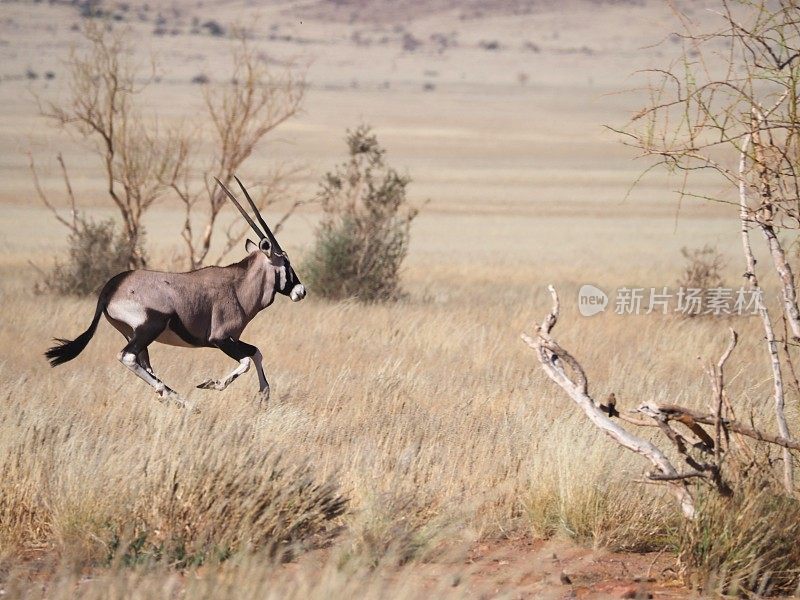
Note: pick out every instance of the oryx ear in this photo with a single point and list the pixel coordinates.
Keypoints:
(265, 246)
(249, 246)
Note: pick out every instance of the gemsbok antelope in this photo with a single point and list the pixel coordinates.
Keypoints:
(206, 308)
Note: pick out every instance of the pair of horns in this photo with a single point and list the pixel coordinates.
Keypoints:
(267, 234)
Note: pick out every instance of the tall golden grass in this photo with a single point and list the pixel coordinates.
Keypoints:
(395, 434)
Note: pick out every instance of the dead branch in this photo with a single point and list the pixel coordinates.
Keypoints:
(100, 109)
(765, 217)
(70, 194)
(555, 361)
(705, 458)
(72, 226)
(719, 392)
(682, 414)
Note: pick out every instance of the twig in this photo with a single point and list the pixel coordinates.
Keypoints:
(43, 197)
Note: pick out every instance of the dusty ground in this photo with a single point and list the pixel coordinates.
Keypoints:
(549, 570)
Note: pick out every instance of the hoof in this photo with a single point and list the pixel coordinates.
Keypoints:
(263, 396)
(169, 395)
(211, 384)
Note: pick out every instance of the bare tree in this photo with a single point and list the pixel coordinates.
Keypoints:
(733, 98)
(101, 110)
(242, 111)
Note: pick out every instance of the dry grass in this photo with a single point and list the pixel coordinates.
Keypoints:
(429, 417)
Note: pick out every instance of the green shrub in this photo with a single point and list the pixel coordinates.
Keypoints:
(363, 237)
(96, 253)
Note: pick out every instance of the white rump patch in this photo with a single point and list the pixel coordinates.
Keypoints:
(130, 312)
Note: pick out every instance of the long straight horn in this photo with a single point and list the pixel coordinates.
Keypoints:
(261, 220)
(247, 218)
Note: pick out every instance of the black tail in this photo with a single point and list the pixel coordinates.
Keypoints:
(66, 350)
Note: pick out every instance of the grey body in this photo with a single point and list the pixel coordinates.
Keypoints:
(206, 308)
(200, 308)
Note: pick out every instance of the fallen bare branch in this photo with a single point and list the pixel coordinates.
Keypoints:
(554, 359)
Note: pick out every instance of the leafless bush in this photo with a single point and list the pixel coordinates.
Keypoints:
(97, 252)
(142, 164)
(363, 238)
(100, 109)
(702, 272)
(241, 112)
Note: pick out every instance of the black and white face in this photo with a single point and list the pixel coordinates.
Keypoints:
(286, 280)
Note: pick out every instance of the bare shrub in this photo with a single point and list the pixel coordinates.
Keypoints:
(703, 268)
(363, 238)
(97, 252)
(241, 113)
(702, 271)
(100, 109)
(142, 164)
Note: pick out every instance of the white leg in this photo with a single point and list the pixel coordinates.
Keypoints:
(217, 384)
(263, 384)
(129, 360)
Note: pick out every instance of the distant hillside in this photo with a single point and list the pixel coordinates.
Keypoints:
(399, 10)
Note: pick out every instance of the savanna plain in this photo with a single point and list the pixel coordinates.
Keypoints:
(409, 449)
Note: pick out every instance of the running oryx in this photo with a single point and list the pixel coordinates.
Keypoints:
(206, 308)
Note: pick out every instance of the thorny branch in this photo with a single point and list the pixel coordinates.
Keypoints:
(734, 93)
